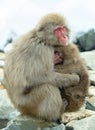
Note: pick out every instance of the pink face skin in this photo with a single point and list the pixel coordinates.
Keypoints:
(61, 33)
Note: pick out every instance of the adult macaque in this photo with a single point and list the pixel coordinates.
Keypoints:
(72, 63)
(29, 75)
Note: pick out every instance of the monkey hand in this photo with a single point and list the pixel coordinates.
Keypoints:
(70, 80)
(74, 80)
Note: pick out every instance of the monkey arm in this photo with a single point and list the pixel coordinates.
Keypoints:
(65, 80)
(60, 80)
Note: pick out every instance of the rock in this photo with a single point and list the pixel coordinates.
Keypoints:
(1, 73)
(2, 63)
(91, 91)
(7, 111)
(8, 48)
(90, 100)
(1, 78)
(92, 77)
(89, 57)
(21, 124)
(3, 123)
(59, 127)
(24, 123)
(11, 37)
(2, 56)
(83, 124)
(69, 116)
(90, 104)
(86, 41)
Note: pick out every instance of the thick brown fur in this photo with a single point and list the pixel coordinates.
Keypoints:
(73, 63)
(29, 76)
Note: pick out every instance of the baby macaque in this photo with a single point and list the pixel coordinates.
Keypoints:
(71, 62)
(29, 76)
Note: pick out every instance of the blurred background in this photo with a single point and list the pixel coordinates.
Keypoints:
(19, 16)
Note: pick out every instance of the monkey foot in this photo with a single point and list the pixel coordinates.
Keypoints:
(69, 116)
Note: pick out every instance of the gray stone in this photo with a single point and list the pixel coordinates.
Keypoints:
(83, 124)
(26, 123)
(89, 57)
(59, 127)
(92, 77)
(3, 123)
(90, 100)
(21, 124)
(91, 103)
(86, 41)
(7, 111)
(90, 106)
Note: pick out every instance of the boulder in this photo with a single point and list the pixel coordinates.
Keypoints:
(83, 124)
(86, 41)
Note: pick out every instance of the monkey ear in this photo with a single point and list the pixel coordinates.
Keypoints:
(41, 29)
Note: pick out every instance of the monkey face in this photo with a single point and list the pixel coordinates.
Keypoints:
(62, 33)
(54, 30)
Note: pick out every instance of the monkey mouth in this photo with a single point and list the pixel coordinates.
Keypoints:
(63, 39)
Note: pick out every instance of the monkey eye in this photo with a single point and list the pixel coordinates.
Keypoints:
(41, 29)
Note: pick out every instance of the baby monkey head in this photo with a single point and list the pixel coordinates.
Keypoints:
(53, 28)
